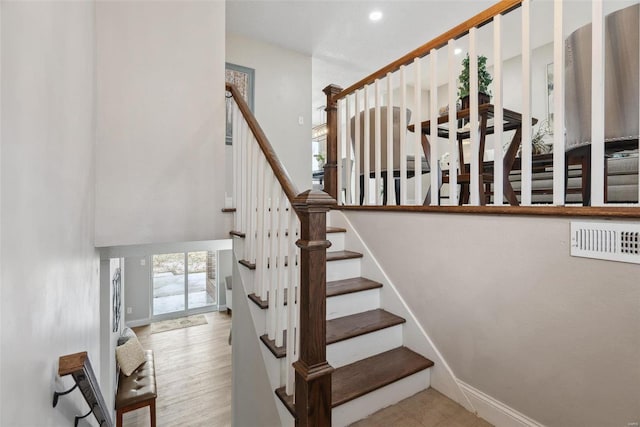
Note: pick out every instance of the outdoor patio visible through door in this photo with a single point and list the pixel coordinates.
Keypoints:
(183, 283)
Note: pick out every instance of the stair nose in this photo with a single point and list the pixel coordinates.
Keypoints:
(341, 255)
(346, 327)
(362, 377)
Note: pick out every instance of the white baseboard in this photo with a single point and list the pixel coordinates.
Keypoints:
(494, 411)
(222, 307)
(138, 322)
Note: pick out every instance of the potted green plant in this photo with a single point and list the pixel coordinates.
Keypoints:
(484, 80)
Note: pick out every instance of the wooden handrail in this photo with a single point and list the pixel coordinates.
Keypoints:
(455, 33)
(280, 172)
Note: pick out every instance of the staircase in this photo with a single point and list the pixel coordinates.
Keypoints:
(373, 367)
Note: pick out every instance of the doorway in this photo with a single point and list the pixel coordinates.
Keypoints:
(183, 283)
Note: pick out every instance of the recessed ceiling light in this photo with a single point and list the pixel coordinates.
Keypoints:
(376, 15)
(457, 51)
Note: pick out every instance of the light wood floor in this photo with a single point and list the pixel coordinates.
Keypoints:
(428, 408)
(193, 375)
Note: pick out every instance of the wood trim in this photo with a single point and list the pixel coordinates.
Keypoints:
(280, 172)
(331, 165)
(553, 211)
(228, 210)
(477, 21)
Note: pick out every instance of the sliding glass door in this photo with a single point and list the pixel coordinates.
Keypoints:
(183, 283)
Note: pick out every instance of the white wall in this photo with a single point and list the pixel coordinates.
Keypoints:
(282, 96)
(50, 296)
(552, 336)
(160, 122)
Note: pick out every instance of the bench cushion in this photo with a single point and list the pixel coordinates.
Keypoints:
(139, 386)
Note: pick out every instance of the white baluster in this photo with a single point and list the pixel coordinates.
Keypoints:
(250, 236)
(525, 156)
(597, 105)
(474, 181)
(390, 142)
(291, 304)
(281, 268)
(558, 105)
(248, 199)
(347, 147)
(340, 142)
(357, 149)
(367, 147)
(378, 143)
(453, 126)
(403, 136)
(417, 134)
(433, 131)
(498, 118)
(273, 297)
(235, 144)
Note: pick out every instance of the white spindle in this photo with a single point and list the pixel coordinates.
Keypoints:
(378, 142)
(498, 118)
(347, 146)
(340, 142)
(272, 249)
(433, 133)
(280, 264)
(357, 150)
(597, 104)
(390, 142)
(262, 261)
(474, 181)
(403, 133)
(453, 126)
(291, 303)
(367, 147)
(558, 104)
(242, 143)
(525, 156)
(236, 162)
(417, 146)
(250, 235)
(249, 175)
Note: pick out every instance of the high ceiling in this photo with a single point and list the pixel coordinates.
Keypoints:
(346, 46)
(344, 43)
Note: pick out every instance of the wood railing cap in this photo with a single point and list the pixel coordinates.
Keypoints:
(315, 199)
(332, 90)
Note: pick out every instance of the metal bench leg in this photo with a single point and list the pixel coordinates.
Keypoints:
(152, 410)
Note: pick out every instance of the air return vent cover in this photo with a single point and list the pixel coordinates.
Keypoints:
(606, 240)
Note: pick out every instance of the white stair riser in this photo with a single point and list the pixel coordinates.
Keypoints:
(349, 351)
(356, 302)
(393, 393)
(337, 241)
(343, 269)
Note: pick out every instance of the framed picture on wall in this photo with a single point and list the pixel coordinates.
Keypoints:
(242, 78)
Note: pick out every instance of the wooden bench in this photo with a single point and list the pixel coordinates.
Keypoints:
(138, 390)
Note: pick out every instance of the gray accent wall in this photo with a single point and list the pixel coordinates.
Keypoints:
(554, 337)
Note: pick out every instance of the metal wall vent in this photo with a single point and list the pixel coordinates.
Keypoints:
(606, 240)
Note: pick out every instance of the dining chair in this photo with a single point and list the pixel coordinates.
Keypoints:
(383, 151)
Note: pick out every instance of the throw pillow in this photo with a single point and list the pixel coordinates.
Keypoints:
(130, 356)
(126, 335)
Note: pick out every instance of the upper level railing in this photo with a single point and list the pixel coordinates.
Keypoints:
(285, 243)
(388, 142)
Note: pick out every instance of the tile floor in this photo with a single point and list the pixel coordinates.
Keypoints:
(428, 408)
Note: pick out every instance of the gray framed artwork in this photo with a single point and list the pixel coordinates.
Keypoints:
(243, 79)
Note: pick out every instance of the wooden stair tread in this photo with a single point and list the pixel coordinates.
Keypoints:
(247, 264)
(364, 376)
(347, 286)
(367, 375)
(237, 234)
(346, 327)
(336, 230)
(335, 288)
(340, 255)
